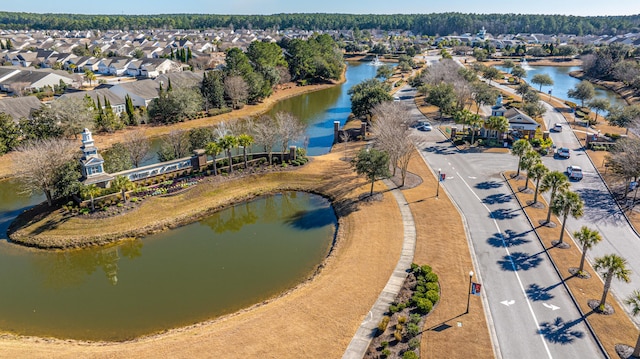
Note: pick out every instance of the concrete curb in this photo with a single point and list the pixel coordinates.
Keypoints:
(555, 267)
(360, 342)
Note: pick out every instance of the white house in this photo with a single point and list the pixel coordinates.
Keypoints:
(117, 102)
(141, 92)
(151, 68)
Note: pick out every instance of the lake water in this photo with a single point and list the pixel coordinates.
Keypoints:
(563, 82)
(231, 260)
(318, 110)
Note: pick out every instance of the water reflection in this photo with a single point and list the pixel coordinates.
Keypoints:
(71, 268)
(236, 258)
(563, 82)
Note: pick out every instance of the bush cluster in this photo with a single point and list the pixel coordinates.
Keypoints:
(426, 291)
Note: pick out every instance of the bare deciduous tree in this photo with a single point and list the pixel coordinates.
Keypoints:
(38, 162)
(624, 161)
(391, 128)
(289, 129)
(237, 89)
(265, 133)
(174, 145)
(138, 146)
(448, 71)
(73, 114)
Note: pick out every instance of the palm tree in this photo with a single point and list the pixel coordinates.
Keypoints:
(123, 184)
(611, 266)
(564, 204)
(537, 172)
(634, 301)
(245, 141)
(497, 123)
(519, 148)
(527, 161)
(92, 191)
(474, 121)
(227, 143)
(554, 182)
(213, 149)
(588, 238)
(90, 76)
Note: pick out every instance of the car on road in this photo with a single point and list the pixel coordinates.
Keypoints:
(557, 128)
(425, 127)
(574, 173)
(563, 152)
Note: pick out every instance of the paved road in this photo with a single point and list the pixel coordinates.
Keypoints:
(530, 312)
(601, 212)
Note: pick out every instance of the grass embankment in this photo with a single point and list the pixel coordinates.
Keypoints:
(57, 229)
(610, 329)
(318, 318)
(105, 140)
(315, 320)
(442, 244)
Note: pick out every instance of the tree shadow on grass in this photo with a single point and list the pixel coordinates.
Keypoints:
(560, 332)
(519, 261)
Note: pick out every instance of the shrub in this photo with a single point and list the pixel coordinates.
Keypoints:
(433, 296)
(386, 353)
(382, 326)
(431, 277)
(414, 343)
(421, 289)
(415, 318)
(423, 305)
(284, 165)
(410, 355)
(393, 308)
(384, 344)
(398, 335)
(402, 306)
(543, 151)
(432, 286)
(413, 330)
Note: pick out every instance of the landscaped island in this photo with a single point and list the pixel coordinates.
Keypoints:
(59, 229)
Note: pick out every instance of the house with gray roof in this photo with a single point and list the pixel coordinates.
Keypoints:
(141, 92)
(117, 102)
(32, 80)
(19, 107)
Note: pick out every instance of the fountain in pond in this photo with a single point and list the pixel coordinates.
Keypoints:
(376, 62)
(525, 65)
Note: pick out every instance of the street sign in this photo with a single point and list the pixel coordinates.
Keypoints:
(442, 177)
(475, 288)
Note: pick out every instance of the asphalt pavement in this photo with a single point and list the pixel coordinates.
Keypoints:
(529, 311)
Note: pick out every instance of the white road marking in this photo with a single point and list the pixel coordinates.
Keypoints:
(551, 306)
(508, 302)
(524, 293)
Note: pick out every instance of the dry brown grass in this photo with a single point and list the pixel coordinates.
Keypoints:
(610, 329)
(317, 319)
(442, 244)
(105, 140)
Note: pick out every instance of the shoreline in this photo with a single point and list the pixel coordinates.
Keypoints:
(73, 232)
(624, 92)
(106, 140)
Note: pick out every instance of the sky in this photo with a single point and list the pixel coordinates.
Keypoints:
(128, 7)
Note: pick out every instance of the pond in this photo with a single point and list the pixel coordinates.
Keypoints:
(563, 82)
(182, 276)
(318, 110)
(228, 261)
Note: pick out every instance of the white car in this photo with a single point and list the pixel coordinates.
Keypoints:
(557, 128)
(425, 127)
(574, 173)
(563, 152)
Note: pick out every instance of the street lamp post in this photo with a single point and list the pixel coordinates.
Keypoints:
(438, 186)
(469, 291)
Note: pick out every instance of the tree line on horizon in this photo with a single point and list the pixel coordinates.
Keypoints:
(423, 24)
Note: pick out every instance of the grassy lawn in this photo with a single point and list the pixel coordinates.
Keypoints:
(610, 329)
